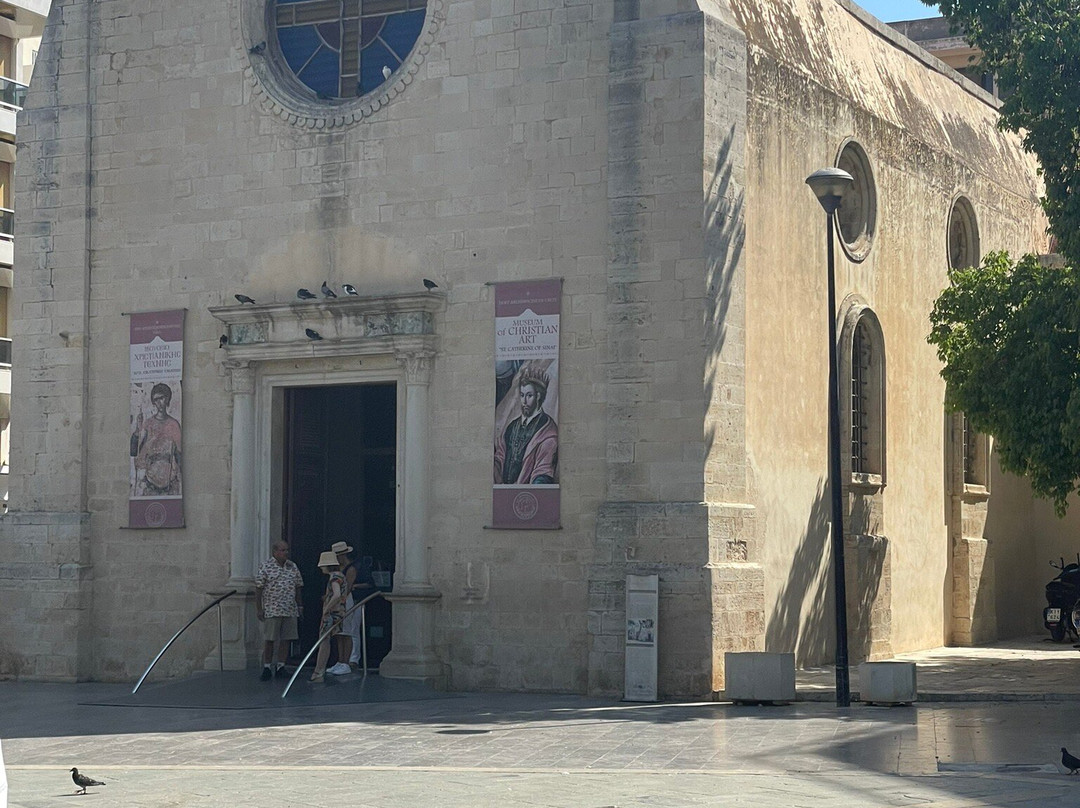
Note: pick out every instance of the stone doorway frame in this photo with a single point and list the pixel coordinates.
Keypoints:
(360, 339)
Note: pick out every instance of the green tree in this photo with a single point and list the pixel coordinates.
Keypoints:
(1034, 48)
(1007, 335)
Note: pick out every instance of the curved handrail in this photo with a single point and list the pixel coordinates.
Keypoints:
(161, 653)
(326, 633)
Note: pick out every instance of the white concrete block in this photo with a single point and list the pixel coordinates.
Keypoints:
(759, 676)
(887, 682)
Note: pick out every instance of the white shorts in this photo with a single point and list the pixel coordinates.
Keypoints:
(351, 626)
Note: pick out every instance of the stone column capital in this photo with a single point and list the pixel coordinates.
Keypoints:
(418, 365)
(241, 377)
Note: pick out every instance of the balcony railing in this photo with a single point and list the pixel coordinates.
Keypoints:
(7, 223)
(12, 93)
(5, 352)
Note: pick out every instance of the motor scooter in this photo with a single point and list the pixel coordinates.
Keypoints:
(1062, 613)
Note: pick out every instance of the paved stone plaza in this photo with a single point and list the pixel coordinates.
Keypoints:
(533, 750)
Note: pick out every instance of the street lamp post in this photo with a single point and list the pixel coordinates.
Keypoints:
(829, 185)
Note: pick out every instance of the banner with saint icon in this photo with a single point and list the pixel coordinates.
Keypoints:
(156, 371)
(526, 482)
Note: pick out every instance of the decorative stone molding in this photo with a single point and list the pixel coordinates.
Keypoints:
(417, 365)
(399, 325)
(281, 94)
(241, 378)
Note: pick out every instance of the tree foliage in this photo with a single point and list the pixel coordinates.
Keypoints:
(1034, 48)
(1007, 335)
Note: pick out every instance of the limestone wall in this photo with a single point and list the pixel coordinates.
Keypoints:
(822, 72)
(650, 154)
(164, 176)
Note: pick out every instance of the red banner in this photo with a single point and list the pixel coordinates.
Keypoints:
(156, 497)
(525, 493)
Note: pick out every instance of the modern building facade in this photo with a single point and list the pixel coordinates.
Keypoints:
(934, 34)
(648, 160)
(21, 25)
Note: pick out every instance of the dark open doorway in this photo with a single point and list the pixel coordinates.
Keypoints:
(340, 485)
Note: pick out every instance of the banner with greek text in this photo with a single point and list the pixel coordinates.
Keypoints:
(526, 485)
(156, 497)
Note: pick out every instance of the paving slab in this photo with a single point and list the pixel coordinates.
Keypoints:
(1026, 669)
(537, 751)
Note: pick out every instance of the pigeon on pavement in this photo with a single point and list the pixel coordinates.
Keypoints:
(82, 781)
(304, 294)
(429, 284)
(1069, 762)
(327, 291)
(312, 334)
(349, 289)
(244, 299)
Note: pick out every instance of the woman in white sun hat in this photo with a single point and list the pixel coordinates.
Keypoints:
(349, 638)
(333, 607)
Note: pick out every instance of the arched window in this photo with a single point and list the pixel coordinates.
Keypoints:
(862, 364)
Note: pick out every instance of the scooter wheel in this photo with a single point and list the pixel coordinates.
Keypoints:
(1057, 632)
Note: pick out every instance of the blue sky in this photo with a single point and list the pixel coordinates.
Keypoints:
(893, 10)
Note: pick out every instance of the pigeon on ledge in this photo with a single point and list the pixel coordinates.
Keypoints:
(349, 289)
(429, 284)
(1069, 762)
(244, 299)
(82, 781)
(223, 341)
(327, 291)
(312, 334)
(304, 294)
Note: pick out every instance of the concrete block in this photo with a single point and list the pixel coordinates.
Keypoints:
(887, 682)
(759, 676)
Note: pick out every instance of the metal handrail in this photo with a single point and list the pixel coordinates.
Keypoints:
(330, 628)
(221, 651)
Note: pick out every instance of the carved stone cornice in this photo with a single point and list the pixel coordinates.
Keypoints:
(349, 326)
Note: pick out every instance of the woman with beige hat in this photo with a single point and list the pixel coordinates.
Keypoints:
(350, 628)
(333, 607)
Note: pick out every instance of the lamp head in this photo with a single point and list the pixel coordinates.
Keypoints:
(829, 186)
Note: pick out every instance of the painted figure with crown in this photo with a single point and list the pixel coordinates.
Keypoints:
(527, 451)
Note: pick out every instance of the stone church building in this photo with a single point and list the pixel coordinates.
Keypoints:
(647, 158)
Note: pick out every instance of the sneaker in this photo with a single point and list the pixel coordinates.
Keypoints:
(266, 674)
(340, 669)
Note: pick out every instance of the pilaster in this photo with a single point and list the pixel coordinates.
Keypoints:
(413, 655)
(243, 522)
(675, 370)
